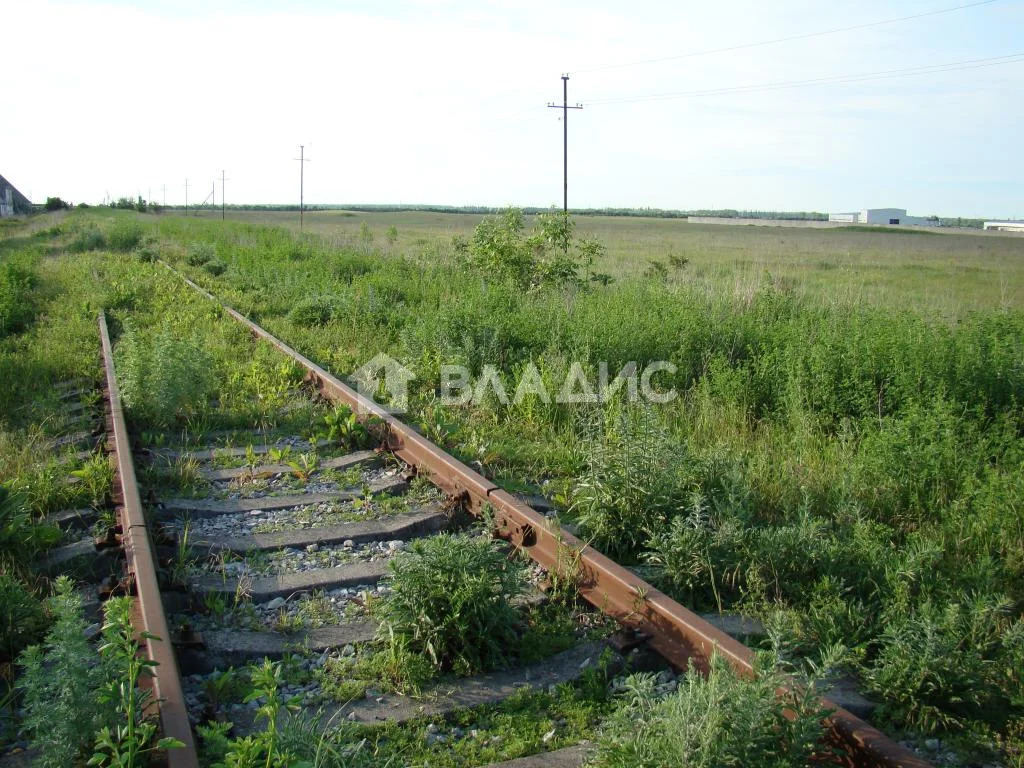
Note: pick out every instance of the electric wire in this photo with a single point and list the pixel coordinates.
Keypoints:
(929, 69)
(790, 38)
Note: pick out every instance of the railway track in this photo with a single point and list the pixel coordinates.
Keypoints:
(285, 542)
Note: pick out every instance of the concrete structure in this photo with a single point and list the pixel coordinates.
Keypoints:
(1005, 226)
(11, 200)
(884, 217)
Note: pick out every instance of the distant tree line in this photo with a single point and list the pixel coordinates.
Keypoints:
(483, 210)
(137, 204)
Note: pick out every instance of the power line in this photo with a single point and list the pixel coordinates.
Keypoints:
(929, 69)
(788, 39)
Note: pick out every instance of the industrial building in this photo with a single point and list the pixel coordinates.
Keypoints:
(883, 216)
(11, 200)
(1005, 226)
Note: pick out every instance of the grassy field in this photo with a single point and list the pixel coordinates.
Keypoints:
(845, 459)
(950, 272)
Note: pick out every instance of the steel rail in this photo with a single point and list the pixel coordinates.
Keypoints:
(678, 634)
(168, 695)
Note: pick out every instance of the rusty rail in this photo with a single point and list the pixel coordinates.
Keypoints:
(678, 634)
(166, 683)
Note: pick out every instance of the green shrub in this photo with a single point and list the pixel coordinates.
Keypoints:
(164, 378)
(940, 666)
(64, 683)
(149, 250)
(200, 253)
(16, 304)
(89, 238)
(55, 204)
(631, 483)
(550, 255)
(146, 254)
(124, 235)
(450, 601)
(718, 720)
(215, 267)
(314, 311)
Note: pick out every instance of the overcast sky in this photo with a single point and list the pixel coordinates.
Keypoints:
(444, 102)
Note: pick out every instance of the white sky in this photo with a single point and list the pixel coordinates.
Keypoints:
(444, 102)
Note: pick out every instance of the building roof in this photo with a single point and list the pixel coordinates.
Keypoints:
(21, 203)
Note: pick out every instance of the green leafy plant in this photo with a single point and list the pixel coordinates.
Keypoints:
(280, 455)
(314, 311)
(677, 261)
(17, 307)
(263, 748)
(305, 465)
(21, 539)
(631, 483)
(450, 601)
(344, 428)
(396, 664)
(336, 680)
(124, 235)
(215, 603)
(222, 687)
(215, 267)
(941, 666)
(63, 683)
(200, 253)
(165, 378)
(550, 255)
(716, 720)
(184, 560)
(129, 743)
(97, 477)
(89, 238)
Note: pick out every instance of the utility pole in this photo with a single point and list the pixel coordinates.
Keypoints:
(165, 195)
(565, 139)
(213, 195)
(302, 179)
(222, 180)
(186, 197)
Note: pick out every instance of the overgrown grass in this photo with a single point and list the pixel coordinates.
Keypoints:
(837, 458)
(16, 299)
(847, 463)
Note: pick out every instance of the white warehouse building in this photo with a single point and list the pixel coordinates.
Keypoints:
(885, 216)
(1005, 226)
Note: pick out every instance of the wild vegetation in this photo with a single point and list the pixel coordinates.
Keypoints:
(845, 466)
(850, 469)
(718, 719)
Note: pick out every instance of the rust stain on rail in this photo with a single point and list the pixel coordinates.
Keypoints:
(678, 634)
(166, 685)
